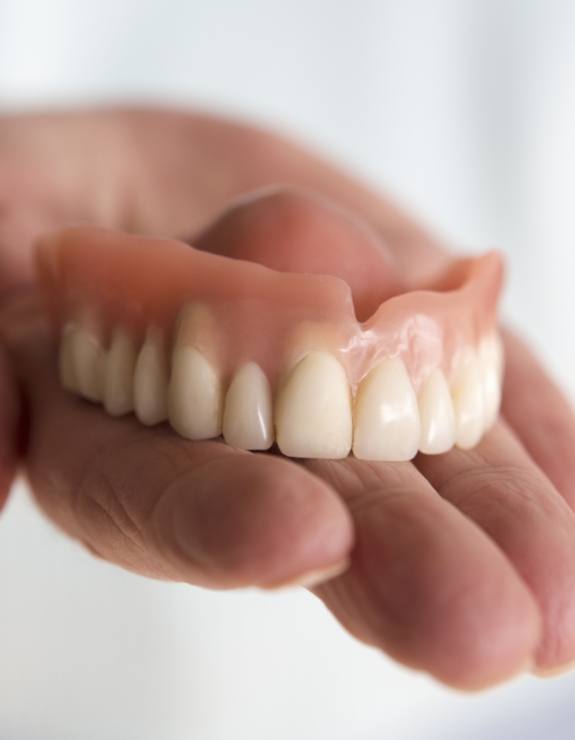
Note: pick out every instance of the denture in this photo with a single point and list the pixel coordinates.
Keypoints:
(217, 345)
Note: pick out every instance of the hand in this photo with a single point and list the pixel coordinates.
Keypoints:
(9, 414)
(461, 565)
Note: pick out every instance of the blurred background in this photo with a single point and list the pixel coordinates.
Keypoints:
(465, 111)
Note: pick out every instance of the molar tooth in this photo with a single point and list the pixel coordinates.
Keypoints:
(247, 420)
(491, 361)
(195, 395)
(151, 380)
(313, 409)
(119, 373)
(386, 423)
(87, 361)
(467, 395)
(436, 415)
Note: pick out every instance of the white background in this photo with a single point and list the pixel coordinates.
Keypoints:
(466, 112)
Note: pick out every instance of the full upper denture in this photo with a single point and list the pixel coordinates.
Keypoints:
(219, 344)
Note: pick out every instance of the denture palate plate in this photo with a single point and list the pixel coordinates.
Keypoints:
(386, 418)
(151, 379)
(195, 399)
(219, 346)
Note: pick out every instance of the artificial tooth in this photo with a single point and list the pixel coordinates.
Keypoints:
(119, 374)
(66, 358)
(386, 419)
(87, 361)
(491, 361)
(195, 395)
(467, 395)
(313, 409)
(247, 422)
(499, 352)
(436, 415)
(151, 380)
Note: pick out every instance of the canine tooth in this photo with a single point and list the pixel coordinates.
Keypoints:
(491, 361)
(467, 395)
(386, 423)
(313, 409)
(247, 420)
(66, 359)
(87, 355)
(195, 395)
(119, 374)
(151, 380)
(436, 415)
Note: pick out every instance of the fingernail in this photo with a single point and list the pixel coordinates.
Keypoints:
(311, 578)
(554, 671)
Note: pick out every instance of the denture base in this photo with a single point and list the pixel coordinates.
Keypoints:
(216, 345)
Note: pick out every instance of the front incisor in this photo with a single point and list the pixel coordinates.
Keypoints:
(248, 415)
(313, 409)
(386, 418)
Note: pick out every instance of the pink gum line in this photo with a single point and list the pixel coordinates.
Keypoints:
(261, 315)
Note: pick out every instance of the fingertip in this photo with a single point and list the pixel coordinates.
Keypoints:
(244, 520)
(479, 684)
(313, 578)
(438, 596)
(555, 671)
(475, 638)
(499, 649)
(553, 586)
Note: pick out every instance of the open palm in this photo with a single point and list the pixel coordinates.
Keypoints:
(462, 565)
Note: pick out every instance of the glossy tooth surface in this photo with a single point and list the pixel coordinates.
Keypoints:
(491, 361)
(386, 420)
(248, 422)
(66, 359)
(151, 380)
(87, 355)
(436, 415)
(313, 409)
(467, 395)
(119, 374)
(195, 396)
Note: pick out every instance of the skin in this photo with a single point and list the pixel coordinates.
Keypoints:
(460, 565)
